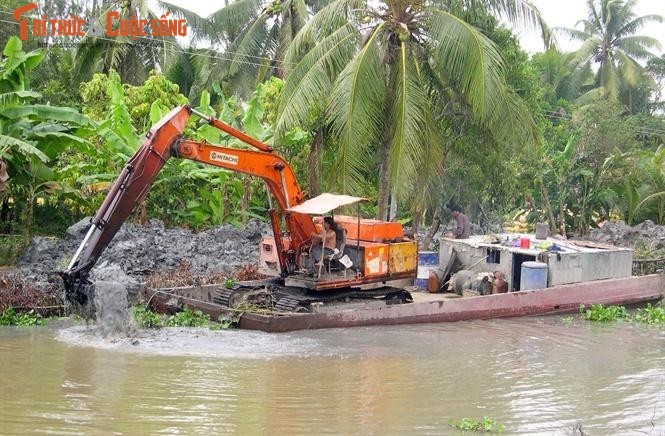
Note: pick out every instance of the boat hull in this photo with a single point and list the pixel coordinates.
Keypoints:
(434, 308)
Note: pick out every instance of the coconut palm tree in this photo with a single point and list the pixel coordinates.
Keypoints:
(562, 76)
(388, 73)
(609, 41)
(254, 35)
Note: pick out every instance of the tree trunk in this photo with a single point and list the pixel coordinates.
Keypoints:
(27, 229)
(548, 205)
(144, 214)
(313, 163)
(244, 203)
(562, 217)
(436, 223)
(384, 183)
(393, 205)
(415, 221)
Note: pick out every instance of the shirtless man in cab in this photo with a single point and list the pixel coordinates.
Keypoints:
(329, 244)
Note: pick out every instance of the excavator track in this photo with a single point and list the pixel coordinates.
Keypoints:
(271, 294)
(227, 296)
(291, 304)
(257, 294)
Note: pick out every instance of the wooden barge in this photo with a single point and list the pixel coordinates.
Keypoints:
(578, 273)
(431, 308)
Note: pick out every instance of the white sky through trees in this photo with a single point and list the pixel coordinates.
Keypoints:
(557, 13)
(566, 13)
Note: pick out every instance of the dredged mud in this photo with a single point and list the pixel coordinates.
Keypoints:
(136, 251)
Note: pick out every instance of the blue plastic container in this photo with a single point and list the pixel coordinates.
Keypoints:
(427, 261)
(533, 276)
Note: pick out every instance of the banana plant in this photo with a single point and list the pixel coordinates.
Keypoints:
(32, 136)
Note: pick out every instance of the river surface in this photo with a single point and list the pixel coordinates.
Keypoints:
(538, 375)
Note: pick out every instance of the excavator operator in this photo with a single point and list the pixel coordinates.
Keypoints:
(329, 244)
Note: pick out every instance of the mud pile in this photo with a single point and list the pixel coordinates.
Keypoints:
(645, 235)
(18, 292)
(140, 250)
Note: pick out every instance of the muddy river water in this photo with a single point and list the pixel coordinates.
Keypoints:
(534, 375)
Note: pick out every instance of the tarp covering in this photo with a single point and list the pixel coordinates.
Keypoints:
(324, 203)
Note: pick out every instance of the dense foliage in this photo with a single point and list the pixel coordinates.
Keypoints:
(409, 104)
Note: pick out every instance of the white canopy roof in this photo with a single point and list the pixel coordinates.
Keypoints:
(324, 203)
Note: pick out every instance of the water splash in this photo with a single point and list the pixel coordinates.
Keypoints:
(112, 307)
(111, 299)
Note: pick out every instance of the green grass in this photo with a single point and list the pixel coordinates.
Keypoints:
(484, 425)
(146, 318)
(11, 317)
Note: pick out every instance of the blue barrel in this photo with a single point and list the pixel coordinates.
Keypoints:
(427, 261)
(533, 276)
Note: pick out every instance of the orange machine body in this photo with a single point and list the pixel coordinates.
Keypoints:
(369, 230)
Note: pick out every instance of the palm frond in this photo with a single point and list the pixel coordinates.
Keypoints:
(630, 70)
(232, 18)
(470, 60)
(608, 78)
(88, 58)
(327, 21)
(584, 54)
(576, 34)
(248, 45)
(310, 82)
(409, 123)
(199, 27)
(521, 12)
(638, 46)
(356, 113)
(636, 24)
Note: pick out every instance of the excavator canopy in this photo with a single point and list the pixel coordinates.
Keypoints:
(324, 203)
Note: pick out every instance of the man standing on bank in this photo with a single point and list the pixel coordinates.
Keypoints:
(463, 225)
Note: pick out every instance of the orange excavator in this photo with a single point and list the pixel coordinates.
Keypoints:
(373, 259)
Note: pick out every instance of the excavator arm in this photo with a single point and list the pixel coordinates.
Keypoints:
(132, 185)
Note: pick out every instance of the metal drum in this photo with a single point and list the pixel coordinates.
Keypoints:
(534, 276)
(427, 261)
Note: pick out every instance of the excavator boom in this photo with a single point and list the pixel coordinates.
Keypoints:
(132, 185)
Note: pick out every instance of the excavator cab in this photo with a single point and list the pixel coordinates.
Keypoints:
(373, 253)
